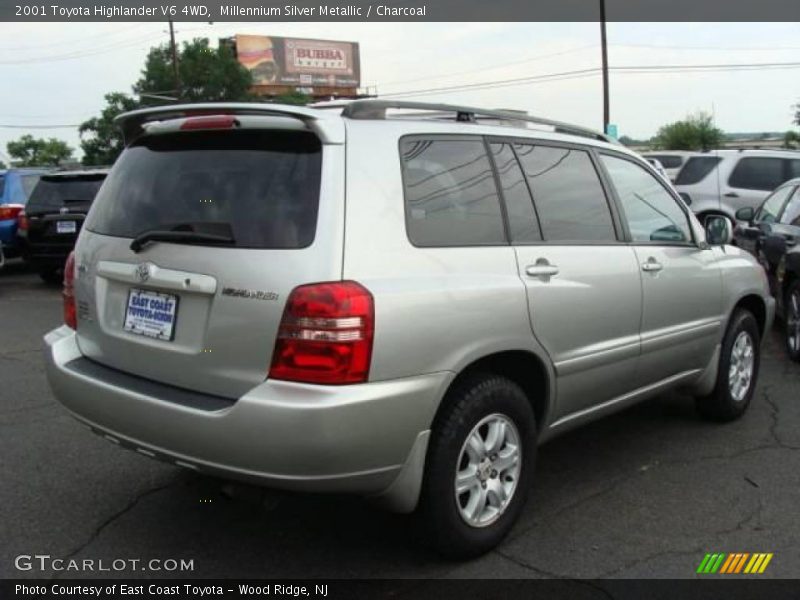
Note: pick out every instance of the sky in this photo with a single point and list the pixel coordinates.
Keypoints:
(57, 73)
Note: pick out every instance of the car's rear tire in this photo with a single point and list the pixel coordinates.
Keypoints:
(479, 466)
(51, 275)
(791, 320)
(739, 362)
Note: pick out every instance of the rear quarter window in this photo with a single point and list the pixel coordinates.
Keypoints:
(451, 197)
(696, 169)
(262, 185)
(668, 161)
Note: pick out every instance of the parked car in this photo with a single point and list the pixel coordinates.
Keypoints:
(721, 182)
(15, 189)
(49, 225)
(656, 164)
(772, 233)
(671, 160)
(337, 300)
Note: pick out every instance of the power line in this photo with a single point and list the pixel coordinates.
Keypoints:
(579, 73)
(493, 67)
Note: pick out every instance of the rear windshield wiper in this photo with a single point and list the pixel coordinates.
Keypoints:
(180, 237)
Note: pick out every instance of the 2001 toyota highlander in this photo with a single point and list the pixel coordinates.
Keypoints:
(391, 299)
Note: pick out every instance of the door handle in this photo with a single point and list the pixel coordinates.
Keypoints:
(652, 265)
(541, 270)
(731, 195)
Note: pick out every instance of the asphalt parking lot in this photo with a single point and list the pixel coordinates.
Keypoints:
(645, 493)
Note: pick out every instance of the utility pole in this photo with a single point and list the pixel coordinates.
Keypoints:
(604, 45)
(174, 59)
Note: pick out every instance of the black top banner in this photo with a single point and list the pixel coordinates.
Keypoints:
(399, 10)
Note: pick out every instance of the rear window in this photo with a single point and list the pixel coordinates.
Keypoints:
(2, 184)
(55, 192)
(263, 186)
(668, 161)
(696, 169)
(760, 173)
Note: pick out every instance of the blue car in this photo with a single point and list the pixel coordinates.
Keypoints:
(16, 186)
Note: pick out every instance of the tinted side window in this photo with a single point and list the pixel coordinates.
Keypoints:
(521, 217)
(667, 161)
(760, 173)
(791, 216)
(769, 211)
(653, 215)
(450, 193)
(794, 169)
(2, 184)
(696, 169)
(567, 192)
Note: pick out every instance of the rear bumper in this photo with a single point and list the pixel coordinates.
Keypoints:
(355, 439)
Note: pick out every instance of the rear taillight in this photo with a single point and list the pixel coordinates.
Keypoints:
(325, 335)
(10, 211)
(22, 221)
(70, 314)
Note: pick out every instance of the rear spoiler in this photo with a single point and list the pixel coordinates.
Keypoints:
(328, 127)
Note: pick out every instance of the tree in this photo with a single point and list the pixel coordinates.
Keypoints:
(29, 151)
(101, 139)
(695, 132)
(296, 98)
(206, 74)
(797, 114)
(791, 140)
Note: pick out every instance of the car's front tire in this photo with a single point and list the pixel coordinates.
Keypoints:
(479, 465)
(739, 361)
(792, 320)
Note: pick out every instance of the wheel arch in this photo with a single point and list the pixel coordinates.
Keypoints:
(523, 367)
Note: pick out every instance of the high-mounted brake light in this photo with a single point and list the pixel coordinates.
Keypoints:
(68, 293)
(10, 211)
(325, 335)
(210, 122)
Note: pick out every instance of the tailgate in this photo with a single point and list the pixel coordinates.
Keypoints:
(204, 315)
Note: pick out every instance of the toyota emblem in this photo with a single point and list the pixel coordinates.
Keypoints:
(143, 272)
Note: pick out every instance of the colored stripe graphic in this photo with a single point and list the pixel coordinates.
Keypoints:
(734, 563)
(765, 563)
(727, 563)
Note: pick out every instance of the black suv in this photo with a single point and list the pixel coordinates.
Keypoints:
(53, 217)
(771, 233)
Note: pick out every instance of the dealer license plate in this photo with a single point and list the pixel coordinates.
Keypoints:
(65, 227)
(151, 314)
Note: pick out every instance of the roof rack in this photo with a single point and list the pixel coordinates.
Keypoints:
(376, 109)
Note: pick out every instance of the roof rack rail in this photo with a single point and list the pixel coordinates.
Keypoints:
(376, 109)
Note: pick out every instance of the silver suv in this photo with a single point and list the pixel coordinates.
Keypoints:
(396, 300)
(720, 182)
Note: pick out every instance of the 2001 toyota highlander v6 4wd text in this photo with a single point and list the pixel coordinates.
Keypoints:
(396, 300)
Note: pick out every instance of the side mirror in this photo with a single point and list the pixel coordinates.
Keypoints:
(746, 214)
(719, 230)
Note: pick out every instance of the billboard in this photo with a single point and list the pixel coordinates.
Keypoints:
(279, 61)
